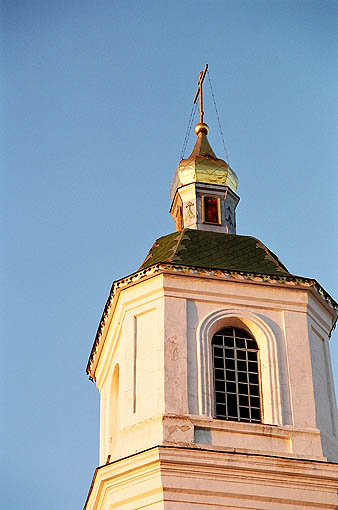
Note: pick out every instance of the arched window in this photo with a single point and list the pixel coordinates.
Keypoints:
(236, 376)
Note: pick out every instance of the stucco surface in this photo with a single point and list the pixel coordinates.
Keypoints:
(159, 336)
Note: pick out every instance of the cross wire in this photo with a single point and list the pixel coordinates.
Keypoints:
(219, 122)
(188, 131)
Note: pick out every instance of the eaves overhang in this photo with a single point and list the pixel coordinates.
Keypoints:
(288, 279)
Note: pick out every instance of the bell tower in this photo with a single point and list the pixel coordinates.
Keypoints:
(213, 366)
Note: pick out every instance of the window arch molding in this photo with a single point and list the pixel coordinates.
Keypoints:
(268, 353)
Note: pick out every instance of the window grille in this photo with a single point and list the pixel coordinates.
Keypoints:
(236, 376)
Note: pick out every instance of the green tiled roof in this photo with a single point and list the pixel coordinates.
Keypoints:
(214, 250)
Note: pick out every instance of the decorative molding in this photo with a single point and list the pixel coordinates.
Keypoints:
(295, 482)
(269, 353)
(287, 279)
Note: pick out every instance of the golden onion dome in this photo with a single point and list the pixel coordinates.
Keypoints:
(203, 166)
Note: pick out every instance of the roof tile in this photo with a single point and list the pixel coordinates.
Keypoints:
(214, 250)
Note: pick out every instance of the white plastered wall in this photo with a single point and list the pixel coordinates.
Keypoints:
(319, 326)
(277, 317)
(160, 336)
(134, 343)
(259, 310)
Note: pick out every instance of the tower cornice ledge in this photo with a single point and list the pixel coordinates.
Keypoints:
(212, 476)
(285, 280)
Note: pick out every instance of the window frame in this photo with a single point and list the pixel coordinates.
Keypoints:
(218, 210)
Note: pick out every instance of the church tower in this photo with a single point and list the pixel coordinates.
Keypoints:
(213, 366)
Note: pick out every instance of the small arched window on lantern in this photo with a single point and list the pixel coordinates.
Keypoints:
(236, 376)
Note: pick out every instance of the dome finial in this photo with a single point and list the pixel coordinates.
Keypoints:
(202, 128)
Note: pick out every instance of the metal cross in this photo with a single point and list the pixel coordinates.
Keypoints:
(199, 91)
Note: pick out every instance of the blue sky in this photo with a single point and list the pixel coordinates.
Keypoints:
(96, 98)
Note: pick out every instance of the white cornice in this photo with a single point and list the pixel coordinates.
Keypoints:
(289, 280)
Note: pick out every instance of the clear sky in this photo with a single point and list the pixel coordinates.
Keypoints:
(96, 97)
